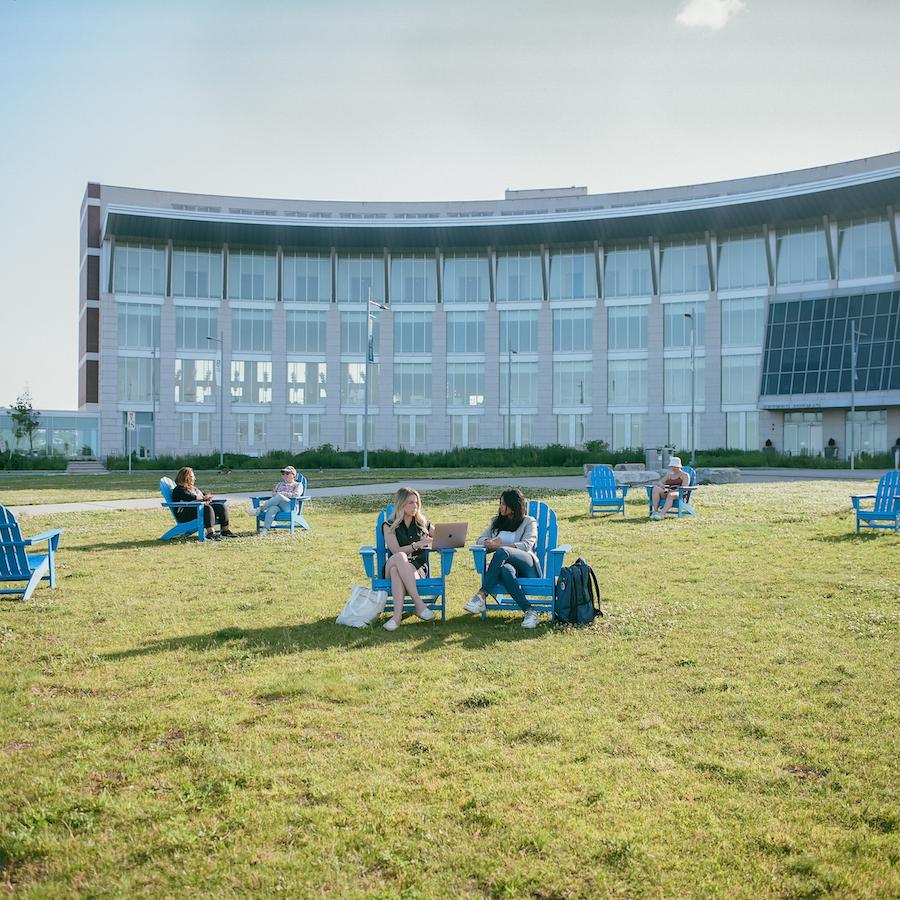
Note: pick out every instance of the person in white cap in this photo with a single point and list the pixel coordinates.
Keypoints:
(286, 489)
(668, 487)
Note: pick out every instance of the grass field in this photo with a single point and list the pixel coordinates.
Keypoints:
(187, 719)
(29, 489)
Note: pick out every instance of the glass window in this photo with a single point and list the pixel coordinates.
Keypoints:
(412, 332)
(573, 275)
(523, 384)
(864, 248)
(743, 324)
(413, 278)
(519, 331)
(570, 430)
(138, 378)
(677, 325)
(684, 268)
(353, 432)
(306, 383)
(626, 271)
(627, 382)
(196, 428)
(628, 431)
(866, 431)
(518, 430)
(193, 325)
(464, 431)
(571, 383)
(680, 431)
(412, 384)
(627, 328)
(306, 431)
(742, 430)
(305, 331)
(197, 273)
(360, 277)
(139, 269)
(573, 330)
(465, 384)
(138, 326)
(677, 381)
(307, 277)
(251, 431)
(801, 255)
(740, 378)
(803, 433)
(742, 262)
(353, 383)
(251, 275)
(251, 330)
(465, 332)
(519, 276)
(251, 381)
(353, 333)
(466, 279)
(412, 432)
(195, 381)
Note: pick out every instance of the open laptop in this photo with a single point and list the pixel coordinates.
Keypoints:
(452, 535)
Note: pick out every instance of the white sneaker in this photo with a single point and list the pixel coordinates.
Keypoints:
(427, 615)
(656, 516)
(531, 619)
(391, 625)
(475, 605)
(263, 532)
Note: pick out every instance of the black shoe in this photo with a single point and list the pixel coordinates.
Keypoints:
(229, 534)
(214, 537)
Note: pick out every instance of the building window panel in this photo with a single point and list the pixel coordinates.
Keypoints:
(412, 432)
(518, 430)
(353, 382)
(466, 279)
(677, 381)
(627, 431)
(677, 325)
(740, 378)
(573, 275)
(307, 383)
(195, 381)
(573, 330)
(138, 379)
(684, 268)
(307, 278)
(138, 326)
(251, 431)
(412, 384)
(803, 433)
(251, 275)
(412, 332)
(519, 331)
(359, 278)
(864, 249)
(139, 269)
(627, 327)
(627, 382)
(570, 430)
(626, 271)
(305, 331)
(353, 432)
(465, 431)
(197, 273)
(571, 383)
(465, 384)
(743, 322)
(465, 332)
(523, 384)
(866, 431)
(306, 431)
(519, 277)
(354, 333)
(801, 256)
(251, 381)
(251, 330)
(193, 325)
(742, 430)
(413, 278)
(742, 262)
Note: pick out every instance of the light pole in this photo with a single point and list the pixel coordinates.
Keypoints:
(693, 398)
(370, 358)
(854, 350)
(153, 397)
(220, 340)
(509, 355)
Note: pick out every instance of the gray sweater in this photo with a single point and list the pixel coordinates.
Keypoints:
(525, 537)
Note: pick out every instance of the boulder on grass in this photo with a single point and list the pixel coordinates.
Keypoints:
(630, 467)
(718, 475)
(637, 477)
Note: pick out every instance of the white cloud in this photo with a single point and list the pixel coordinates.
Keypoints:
(712, 14)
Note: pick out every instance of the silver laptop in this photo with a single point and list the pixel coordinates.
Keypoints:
(452, 535)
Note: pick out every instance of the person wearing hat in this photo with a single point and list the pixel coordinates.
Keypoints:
(668, 486)
(287, 489)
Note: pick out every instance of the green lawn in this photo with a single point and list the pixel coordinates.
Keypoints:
(186, 719)
(24, 490)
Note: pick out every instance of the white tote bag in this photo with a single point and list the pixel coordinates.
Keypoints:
(363, 607)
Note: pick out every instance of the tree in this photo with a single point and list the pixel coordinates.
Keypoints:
(25, 419)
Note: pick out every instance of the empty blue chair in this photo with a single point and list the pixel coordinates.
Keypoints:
(432, 589)
(604, 493)
(539, 591)
(682, 506)
(284, 519)
(885, 512)
(17, 564)
(166, 486)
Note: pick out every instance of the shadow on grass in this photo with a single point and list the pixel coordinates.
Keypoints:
(853, 536)
(137, 544)
(324, 634)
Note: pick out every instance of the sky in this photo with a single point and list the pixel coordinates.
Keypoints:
(381, 100)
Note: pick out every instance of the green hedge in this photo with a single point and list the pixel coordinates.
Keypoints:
(19, 462)
(328, 457)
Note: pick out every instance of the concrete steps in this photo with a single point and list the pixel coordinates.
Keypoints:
(86, 467)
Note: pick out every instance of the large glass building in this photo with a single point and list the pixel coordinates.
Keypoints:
(551, 316)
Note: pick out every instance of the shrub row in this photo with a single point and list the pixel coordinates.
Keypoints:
(20, 462)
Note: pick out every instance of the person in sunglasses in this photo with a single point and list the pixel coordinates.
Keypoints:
(288, 488)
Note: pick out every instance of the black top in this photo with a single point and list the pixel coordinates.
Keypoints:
(185, 513)
(407, 535)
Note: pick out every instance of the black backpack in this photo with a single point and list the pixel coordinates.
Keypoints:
(577, 595)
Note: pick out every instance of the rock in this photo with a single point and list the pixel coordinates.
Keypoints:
(723, 475)
(637, 477)
(630, 467)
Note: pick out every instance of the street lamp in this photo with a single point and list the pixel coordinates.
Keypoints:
(510, 353)
(153, 370)
(854, 350)
(370, 358)
(693, 398)
(220, 340)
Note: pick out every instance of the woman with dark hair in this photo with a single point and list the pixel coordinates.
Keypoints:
(511, 537)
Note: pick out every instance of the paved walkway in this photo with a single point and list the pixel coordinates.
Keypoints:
(567, 482)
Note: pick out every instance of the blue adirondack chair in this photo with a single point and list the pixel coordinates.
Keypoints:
(682, 506)
(539, 591)
(17, 564)
(166, 486)
(284, 519)
(432, 588)
(604, 493)
(885, 512)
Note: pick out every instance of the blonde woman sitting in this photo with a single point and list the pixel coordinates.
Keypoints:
(407, 537)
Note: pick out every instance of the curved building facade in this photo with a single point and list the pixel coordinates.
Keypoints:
(551, 316)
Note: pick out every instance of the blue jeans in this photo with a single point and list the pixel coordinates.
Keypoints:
(274, 505)
(508, 564)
